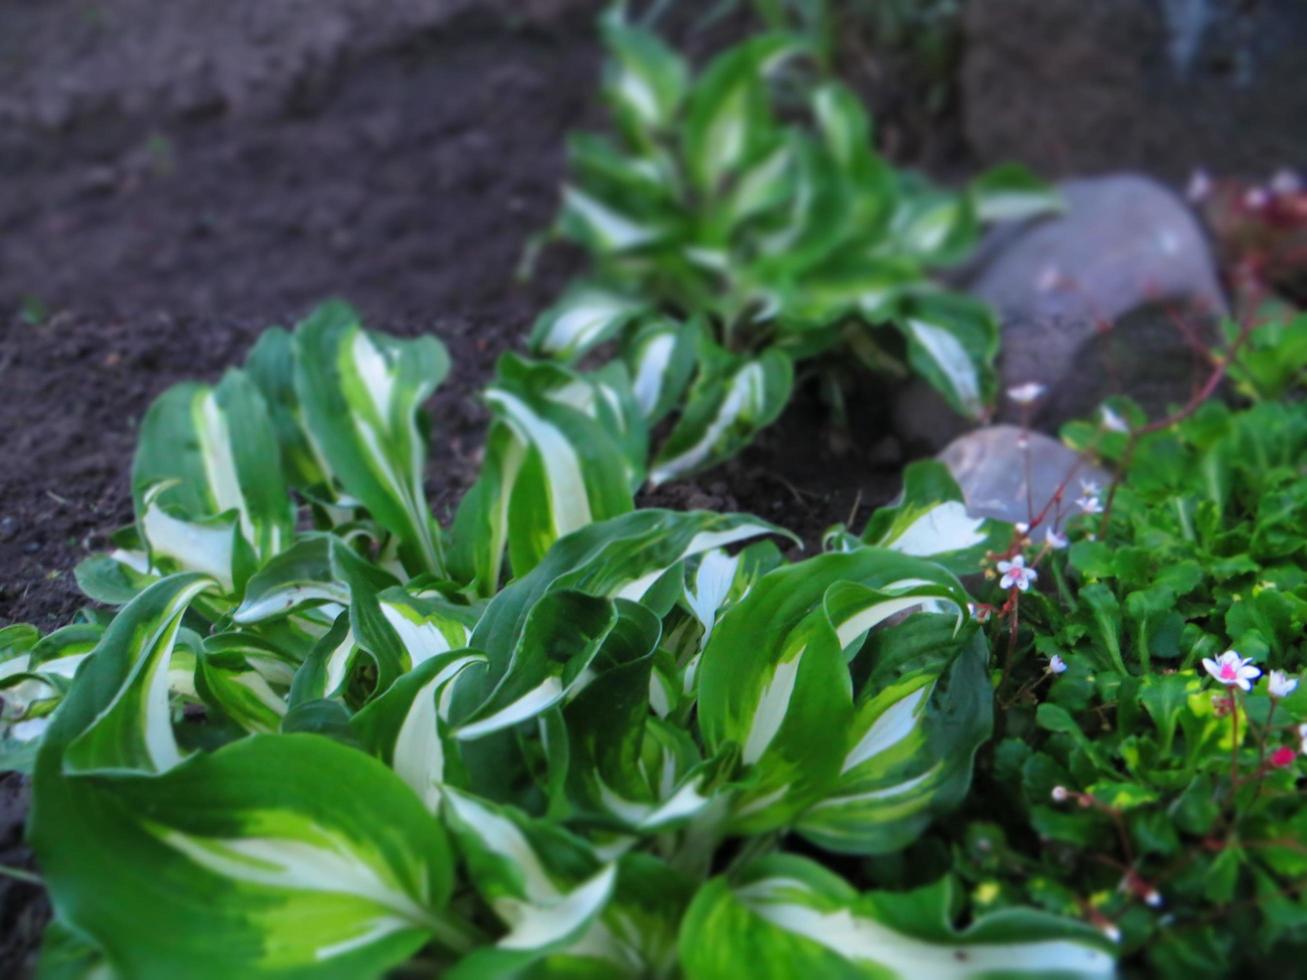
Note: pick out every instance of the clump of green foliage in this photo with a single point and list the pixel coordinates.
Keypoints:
(312, 732)
(739, 221)
(1132, 781)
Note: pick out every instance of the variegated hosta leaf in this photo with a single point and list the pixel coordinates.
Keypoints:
(131, 731)
(560, 638)
(286, 855)
(930, 520)
(360, 394)
(728, 119)
(565, 451)
(618, 771)
(35, 671)
(661, 359)
(636, 556)
(923, 712)
(207, 481)
(791, 911)
(585, 315)
(934, 226)
(246, 678)
(271, 365)
(547, 887)
(717, 583)
(773, 680)
(952, 342)
(300, 577)
(408, 728)
(727, 407)
(644, 82)
(1010, 192)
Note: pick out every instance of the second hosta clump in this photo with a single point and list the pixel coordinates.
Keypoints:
(313, 741)
(741, 222)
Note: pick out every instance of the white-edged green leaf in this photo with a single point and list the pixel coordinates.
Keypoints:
(644, 80)
(559, 457)
(790, 910)
(925, 709)
(585, 315)
(546, 886)
(601, 227)
(773, 681)
(131, 731)
(952, 342)
(728, 115)
(661, 359)
(1010, 192)
(930, 520)
(299, 577)
(407, 727)
(724, 413)
(360, 393)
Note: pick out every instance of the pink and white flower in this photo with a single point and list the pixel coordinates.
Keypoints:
(1089, 504)
(1016, 574)
(1280, 685)
(1233, 670)
(1054, 540)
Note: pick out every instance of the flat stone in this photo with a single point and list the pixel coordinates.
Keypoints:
(1011, 474)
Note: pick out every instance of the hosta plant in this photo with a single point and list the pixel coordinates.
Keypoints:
(311, 741)
(739, 222)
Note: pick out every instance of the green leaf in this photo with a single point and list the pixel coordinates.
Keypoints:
(788, 916)
(407, 727)
(285, 855)
(645, 81)
(584, 316)
(361, 393)
(1010, 192)
(931, 521)
(132, 729)
(661, 360)
(728, 119)
(773, 681)
(910, 750)
(725, 410)
(952, 342)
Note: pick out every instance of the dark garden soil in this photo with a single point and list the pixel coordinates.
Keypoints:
(149, 232)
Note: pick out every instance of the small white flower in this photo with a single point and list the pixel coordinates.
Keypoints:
(1054, 540)
(1233, 670)
(1153, 899)
(1280, 685)
(1056, 664)
(1302, 734)
(1015, 573)
(1200, 185)
(1090, 504)
(1060, 794)
(1111, 931)
(1285, 181)
(1256, 198)
(1022, 528)
(1111, 421)
(1027, 393)
(1090, 488)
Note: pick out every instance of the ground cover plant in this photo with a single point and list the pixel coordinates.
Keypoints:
(302, 745)
(740, 222)
(1150, 743)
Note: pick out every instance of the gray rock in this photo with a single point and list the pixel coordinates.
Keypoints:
(1068, 86)
(1105, 298)
(1011, 474)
